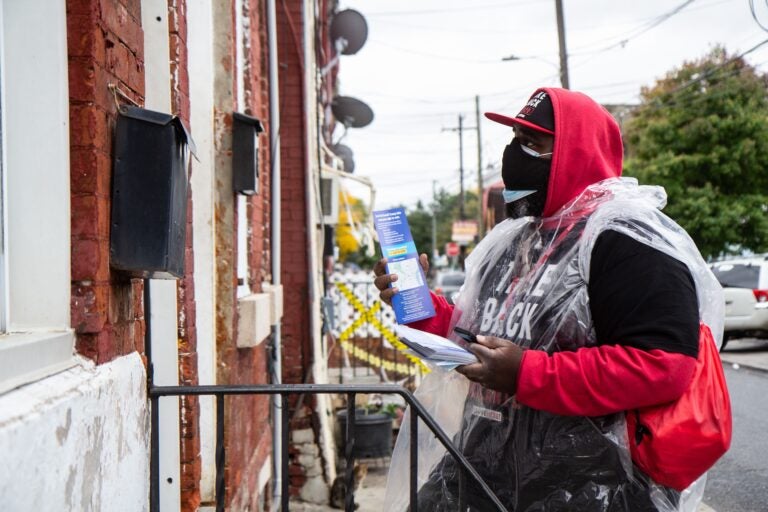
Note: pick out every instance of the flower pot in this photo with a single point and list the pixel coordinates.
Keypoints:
(373, 434)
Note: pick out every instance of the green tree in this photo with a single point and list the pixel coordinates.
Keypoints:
(420, 221)
(701, 132)
(446, 208)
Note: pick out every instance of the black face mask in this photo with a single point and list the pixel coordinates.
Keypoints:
(522, 171)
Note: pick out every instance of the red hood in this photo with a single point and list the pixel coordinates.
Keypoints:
(588, 147)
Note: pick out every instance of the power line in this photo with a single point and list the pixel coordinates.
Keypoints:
(435, 55)
(619, 91)
(642, 29)
(718, 73)
(754, 15)
(444, 28)
(446, 10)
(432, 100)
(711, 72)
(400, 183)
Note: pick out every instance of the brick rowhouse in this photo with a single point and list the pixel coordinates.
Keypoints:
(105, 46)
(189, 406)
(248, 418)
(296, 334)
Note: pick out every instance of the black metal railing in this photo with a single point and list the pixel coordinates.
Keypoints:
(417, 412)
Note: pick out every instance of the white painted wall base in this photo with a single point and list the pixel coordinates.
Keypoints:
(78, 440)
(200, 61)
(163, 293)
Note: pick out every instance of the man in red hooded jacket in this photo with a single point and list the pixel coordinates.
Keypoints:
(642, 302)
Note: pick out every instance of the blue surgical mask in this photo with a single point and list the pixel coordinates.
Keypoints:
(514, 195)
(534, 153)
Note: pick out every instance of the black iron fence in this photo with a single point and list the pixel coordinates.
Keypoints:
(417, 412)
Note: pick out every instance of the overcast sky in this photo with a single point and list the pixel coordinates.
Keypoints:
(425, 60)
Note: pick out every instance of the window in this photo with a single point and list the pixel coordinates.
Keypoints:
(36, 337)
(738, 275)
(243, 235)
(452, 280)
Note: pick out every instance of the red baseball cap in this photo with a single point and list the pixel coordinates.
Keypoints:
(538, 114)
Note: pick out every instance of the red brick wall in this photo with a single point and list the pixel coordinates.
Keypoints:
(105, 45)
(248, 419)
(187, 334)
(257, 105)
(296, 334)
(294, 221)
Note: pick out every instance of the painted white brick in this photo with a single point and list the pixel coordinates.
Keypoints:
(315, 491)
(303, 436)
(309, 449)
(78, 440)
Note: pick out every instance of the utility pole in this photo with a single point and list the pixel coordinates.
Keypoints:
(461, 167)
(460, 129)
(480, 205)
(561, 37)
(434, 220)
(462, 216)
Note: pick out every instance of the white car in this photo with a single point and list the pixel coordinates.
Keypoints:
(448, 283)
(745, 286)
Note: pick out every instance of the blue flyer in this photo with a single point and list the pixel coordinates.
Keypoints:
(413, 301)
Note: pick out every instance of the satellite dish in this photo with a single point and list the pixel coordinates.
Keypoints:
(346, 155)
(350, 26)
(351, 112)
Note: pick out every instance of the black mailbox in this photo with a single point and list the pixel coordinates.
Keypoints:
(245, 153)
(149, 194)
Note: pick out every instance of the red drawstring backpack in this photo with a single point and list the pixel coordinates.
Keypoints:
(677, 442)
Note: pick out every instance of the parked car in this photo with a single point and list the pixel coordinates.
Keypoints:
(448, 283)
(745, 286)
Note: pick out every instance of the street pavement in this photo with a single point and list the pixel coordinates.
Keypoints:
(750, 353)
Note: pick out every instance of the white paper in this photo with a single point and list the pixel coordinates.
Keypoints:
(433, 348)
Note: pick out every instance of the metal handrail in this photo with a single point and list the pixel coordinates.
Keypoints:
(417, 412)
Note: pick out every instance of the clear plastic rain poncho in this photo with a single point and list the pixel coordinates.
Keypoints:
(527, 282)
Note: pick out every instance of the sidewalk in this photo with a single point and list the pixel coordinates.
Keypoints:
(371, 495)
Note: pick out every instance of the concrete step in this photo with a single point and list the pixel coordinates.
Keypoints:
(370, 496)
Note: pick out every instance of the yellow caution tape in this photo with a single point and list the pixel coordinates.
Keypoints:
(369, 316)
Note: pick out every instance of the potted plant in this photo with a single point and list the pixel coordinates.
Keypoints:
(373, 432)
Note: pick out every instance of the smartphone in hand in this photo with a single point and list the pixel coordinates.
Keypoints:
(465, 335)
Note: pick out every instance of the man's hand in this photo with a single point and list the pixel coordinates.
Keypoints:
(383, 279)
(498, 366)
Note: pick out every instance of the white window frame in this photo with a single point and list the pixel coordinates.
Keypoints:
(243, 224)
(36, 339)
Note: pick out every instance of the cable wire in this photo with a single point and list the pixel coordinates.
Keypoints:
(444, 10)
(754, 15)
(709, 74)
(436, 55)
(637, 32)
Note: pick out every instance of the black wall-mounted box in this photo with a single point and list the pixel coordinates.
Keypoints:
(245, 153)
(149, 194)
